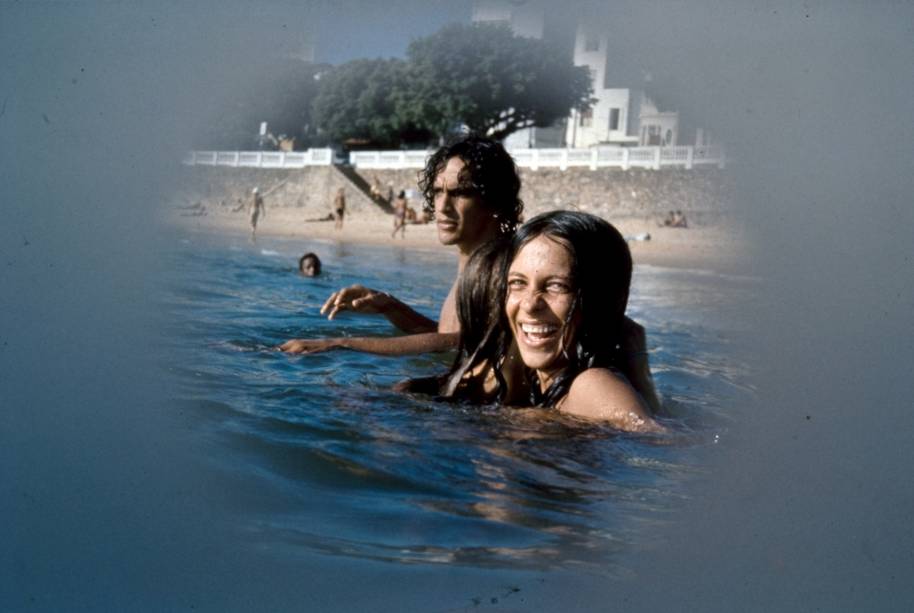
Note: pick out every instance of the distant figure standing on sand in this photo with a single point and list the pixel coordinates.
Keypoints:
(256, 209)
(400, 207)
(339, 208)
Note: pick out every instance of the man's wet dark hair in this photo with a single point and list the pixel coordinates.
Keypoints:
(490, 172)
(601, 272)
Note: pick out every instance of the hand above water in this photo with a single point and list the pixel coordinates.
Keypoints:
(360, 299)
(356, 298)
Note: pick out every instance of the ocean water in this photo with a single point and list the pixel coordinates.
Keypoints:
(316, 455)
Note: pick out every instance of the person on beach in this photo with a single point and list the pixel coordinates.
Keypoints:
(309, 265)
(400, 206)
(256, 209)
(375, 189)
(674, 219)
(339, 208)
(472, 187)
(679, 221)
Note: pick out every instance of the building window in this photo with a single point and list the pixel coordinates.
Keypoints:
(591, 43)
(652, 136)
(586, 118)
(668, 139)
(613, 119)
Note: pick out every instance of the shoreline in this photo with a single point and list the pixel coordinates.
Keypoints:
(720, 248)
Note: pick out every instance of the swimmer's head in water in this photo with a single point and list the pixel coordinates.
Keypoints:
(599, 270)
(309, 265)
(489, 173)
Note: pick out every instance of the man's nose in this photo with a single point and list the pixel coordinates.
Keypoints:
(443, 203)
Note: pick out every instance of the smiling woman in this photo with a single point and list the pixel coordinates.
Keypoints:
(568, 284)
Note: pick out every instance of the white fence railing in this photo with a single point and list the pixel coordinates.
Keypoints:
(261, 159)
(596, 157)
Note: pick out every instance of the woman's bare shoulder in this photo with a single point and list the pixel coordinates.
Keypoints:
(600, 393)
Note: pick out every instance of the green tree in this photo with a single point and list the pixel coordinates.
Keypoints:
(495, 83)
(358, 101)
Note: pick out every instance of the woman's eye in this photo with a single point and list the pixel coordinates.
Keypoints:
(557, 287)
(515, 284)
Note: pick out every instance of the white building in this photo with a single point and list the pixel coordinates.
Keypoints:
(619, 116)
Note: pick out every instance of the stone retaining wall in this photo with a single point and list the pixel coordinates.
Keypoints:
(309, 189)
(702, 194)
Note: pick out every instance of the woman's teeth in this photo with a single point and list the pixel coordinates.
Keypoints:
(538, 331)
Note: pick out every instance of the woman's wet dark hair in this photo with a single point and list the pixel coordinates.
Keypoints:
(480, 310)
(601, 272)
(490, 172)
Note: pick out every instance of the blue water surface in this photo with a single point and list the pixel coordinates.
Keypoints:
(318, 456)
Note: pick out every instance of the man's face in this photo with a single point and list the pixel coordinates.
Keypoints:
(461, 217)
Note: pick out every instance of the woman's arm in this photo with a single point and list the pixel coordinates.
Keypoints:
(599, 393)
(393, 345)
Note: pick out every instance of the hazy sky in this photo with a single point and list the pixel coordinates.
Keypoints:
(810, 504)
(381, 29)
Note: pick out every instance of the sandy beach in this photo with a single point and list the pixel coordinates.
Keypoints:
(719, 247)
